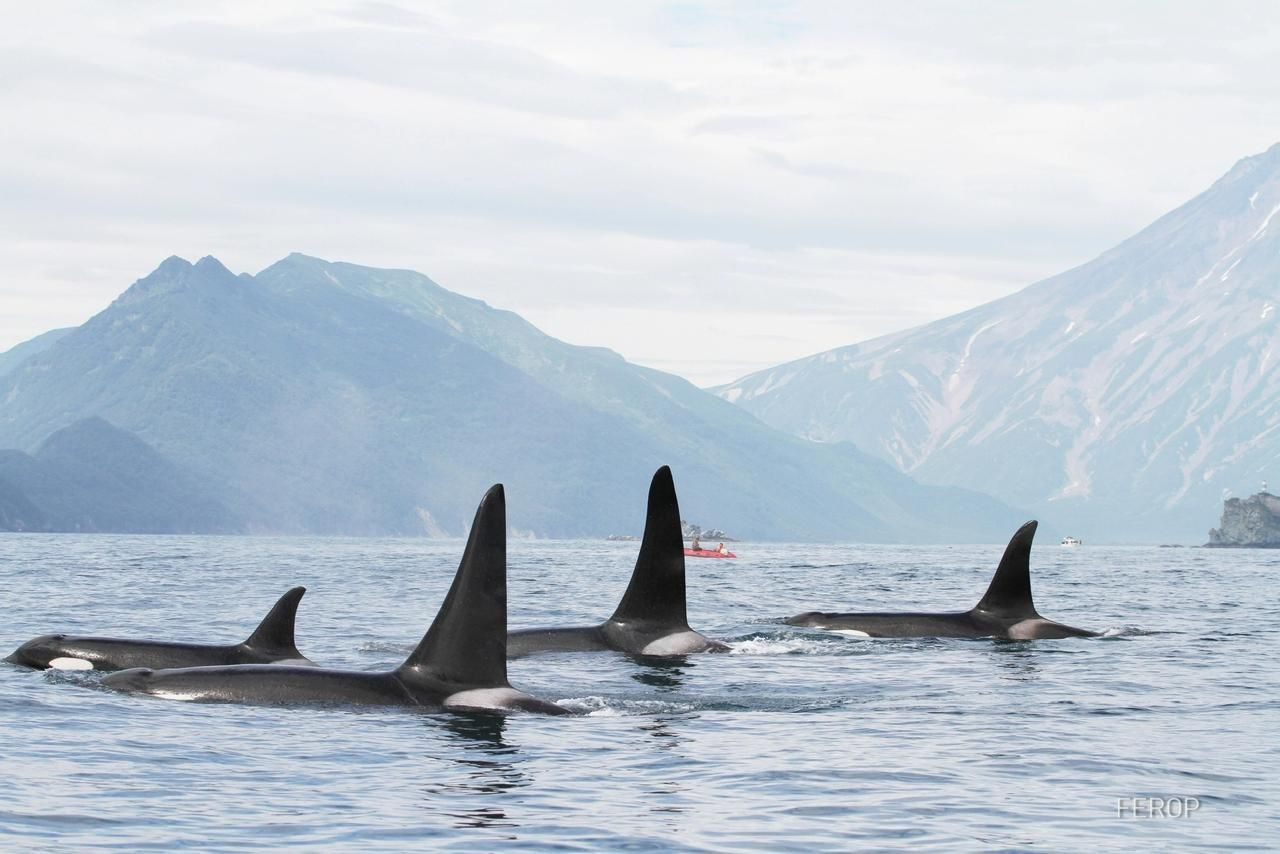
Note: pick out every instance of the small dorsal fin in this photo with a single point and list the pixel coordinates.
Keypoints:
(467, 642)
(656, 592)
(275, 632)
(1010, 590)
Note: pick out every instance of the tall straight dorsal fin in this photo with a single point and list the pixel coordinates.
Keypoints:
(1010, 590)
(275, 632)
(467, 642)
(656, 592)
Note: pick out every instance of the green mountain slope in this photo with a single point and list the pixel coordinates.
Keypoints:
(15, 356)
(334, 398)
(91, 476)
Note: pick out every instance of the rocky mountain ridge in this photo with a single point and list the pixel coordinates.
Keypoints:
(1121, 400)
(329, 398)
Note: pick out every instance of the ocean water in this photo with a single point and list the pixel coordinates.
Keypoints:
(796, 740)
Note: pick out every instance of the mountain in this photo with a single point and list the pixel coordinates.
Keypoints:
(91, 476)
(332, 398)
(17, 513)
(15, 356)
(1122, 399)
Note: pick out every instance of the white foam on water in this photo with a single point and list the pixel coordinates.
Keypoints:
(770, 646)
(799, 645)
(599, 707)
(606, 712)
(70, 664)
(1126, 632)
(588, 705)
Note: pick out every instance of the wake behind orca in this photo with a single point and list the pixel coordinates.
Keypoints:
(1006, 611)
(461, 662)
(271, 642)
(651, 618)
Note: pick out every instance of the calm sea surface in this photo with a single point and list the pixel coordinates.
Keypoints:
(796, 740)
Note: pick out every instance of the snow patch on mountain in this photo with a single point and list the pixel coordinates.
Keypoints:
(1262, 229)
(1121, 397)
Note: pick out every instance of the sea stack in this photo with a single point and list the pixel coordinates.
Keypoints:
(1252, 522)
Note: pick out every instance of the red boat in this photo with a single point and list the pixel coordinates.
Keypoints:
(707, 553)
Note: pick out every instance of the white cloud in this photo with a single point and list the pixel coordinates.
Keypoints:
(705, 187)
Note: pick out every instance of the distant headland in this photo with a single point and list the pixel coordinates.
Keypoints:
(1252, 522)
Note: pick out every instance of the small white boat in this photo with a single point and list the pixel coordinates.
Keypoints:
(1071, 541)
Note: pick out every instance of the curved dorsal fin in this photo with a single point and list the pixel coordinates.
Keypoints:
(467, 642)
(1010, 590)
(656, 592)
(275, 632)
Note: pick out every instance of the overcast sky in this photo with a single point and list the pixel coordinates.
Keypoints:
(707, 188)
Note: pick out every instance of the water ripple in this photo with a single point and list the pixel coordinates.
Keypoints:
(796, 740)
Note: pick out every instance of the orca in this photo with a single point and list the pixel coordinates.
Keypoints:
(271, 642)
(1006, 611)
(651, 618)
(460, 664)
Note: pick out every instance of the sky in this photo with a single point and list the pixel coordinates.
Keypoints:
(707, 188)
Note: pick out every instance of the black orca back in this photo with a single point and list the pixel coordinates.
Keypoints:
(1010, 592)
(656, 593)
(466, 645)
(275, 633)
